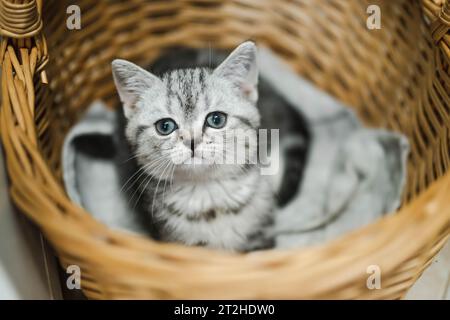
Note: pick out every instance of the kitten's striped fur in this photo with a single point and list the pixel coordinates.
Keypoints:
(219, 205)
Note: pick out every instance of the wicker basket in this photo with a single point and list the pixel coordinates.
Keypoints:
(396, 77)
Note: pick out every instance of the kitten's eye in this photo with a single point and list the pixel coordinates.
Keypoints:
(166, 126)
(216, 120)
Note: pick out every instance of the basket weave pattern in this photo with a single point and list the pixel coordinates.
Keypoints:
(397, 77)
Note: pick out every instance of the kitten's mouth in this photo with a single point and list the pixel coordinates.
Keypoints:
(196, 161)
(195, 166)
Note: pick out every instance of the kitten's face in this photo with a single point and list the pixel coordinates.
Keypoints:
(183, 123)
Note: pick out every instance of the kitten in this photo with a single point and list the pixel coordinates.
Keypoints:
(176, 125)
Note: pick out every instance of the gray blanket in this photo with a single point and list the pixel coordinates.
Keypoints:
(353, 175)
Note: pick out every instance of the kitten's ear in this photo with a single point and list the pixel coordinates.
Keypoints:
(131, 82)
(240, 67)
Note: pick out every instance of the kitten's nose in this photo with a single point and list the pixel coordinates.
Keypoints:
(190, 143)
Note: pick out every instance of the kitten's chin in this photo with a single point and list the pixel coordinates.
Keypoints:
(202, 170)
(195, 166)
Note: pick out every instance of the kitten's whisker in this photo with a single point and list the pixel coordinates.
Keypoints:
(133, 157)
(172, 168)
(147, 181)
(171, 178)
(155, 163)
(143, 168)
(130, 178)
(157, 185)
(173, 171)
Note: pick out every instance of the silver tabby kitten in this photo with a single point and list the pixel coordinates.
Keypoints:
(177, 124)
